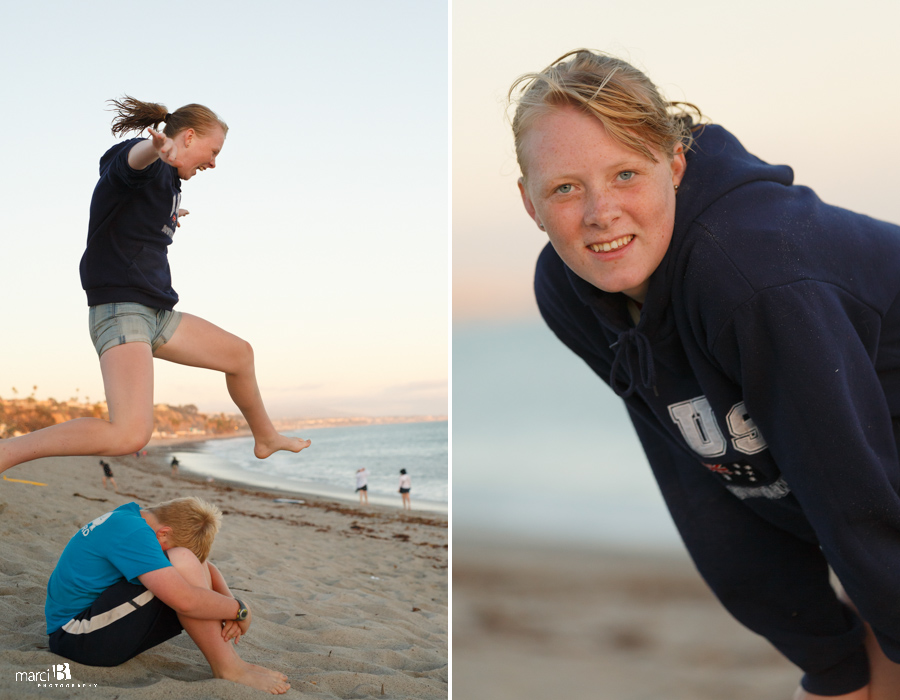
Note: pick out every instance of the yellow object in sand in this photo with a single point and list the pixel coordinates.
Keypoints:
(22, 481)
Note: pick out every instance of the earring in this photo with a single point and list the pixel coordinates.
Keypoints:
(676, 188)
(541, 227)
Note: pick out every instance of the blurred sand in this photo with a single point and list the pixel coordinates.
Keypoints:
(349, 603)
(537, 622)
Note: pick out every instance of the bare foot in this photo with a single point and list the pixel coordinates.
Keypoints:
(278, 442)
(267, 671)
(267, 680)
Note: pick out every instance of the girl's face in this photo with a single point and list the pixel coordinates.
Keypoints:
(198, 152)
(608, 210)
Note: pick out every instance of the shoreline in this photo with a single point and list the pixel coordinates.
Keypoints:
(157, 444)
(156, 463)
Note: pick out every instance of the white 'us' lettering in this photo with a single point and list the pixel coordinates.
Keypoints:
(700, 429)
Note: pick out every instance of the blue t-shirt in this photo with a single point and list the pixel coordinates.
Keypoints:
(117, 546)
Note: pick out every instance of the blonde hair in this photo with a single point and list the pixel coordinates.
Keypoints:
(134, 115)
(194, 523)
(628, 104)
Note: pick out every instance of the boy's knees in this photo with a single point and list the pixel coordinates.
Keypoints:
(182, 555)
(189, 566)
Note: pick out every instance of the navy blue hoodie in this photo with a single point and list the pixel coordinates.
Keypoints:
(134, 214)
(763, 379)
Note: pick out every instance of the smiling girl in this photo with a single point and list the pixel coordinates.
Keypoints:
(753, 332)
(134, 212)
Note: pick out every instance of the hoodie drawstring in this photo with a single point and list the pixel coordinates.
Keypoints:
(629, 339)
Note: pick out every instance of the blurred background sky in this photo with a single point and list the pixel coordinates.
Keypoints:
(321, 236)
(540, 446)
(809, 83)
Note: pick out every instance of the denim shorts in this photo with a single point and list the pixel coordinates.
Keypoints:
(129, 322)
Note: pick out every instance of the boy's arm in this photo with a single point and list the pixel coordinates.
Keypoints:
(233, 629)
(192, 601)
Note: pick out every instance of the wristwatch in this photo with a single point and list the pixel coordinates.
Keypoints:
(242, 611)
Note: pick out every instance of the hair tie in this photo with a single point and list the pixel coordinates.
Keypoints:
(168, 117)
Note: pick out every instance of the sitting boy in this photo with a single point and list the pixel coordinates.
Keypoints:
(132, 578)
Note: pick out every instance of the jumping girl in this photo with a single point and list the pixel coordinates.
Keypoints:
(135, 210)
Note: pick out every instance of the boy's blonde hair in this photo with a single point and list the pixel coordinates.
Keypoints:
(194, 523)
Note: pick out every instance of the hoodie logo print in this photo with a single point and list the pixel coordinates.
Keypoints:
(700, 429)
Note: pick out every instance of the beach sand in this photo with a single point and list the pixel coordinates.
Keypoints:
(348, 602)
(545, 622)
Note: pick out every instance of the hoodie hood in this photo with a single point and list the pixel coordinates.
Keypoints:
(717, 165)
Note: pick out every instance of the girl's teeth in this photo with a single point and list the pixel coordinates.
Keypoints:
(612, 245)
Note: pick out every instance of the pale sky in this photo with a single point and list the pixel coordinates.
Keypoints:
(322, 235)
(809, 83)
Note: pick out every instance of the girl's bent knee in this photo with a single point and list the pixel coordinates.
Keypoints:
(240, 357)
(129, 442)
(245, 352)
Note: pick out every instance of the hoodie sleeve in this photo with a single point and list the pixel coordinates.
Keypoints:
(805, 357)
(122, 176)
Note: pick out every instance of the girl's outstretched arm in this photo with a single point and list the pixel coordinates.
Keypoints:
(146, 152)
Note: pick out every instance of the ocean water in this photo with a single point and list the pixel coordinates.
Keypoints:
(328, 467)
(543, 449)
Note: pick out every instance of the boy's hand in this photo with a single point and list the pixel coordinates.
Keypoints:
(244, 625)
(235, 629)
(231, 630)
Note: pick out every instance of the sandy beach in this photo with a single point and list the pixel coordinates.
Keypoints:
(543, 622)
(348, 602)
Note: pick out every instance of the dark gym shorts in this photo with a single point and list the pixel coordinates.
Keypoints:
(404, 490)
(363, 488)
(124, 621)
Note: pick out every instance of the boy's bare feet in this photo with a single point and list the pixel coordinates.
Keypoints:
(265, 447)
(267, 671)
(256, 677)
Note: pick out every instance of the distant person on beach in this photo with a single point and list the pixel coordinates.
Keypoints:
(405, 486)
(753, 332)
(133, 578)
(174, 466)
(135, 210)
(362, 484)
(108, 474)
